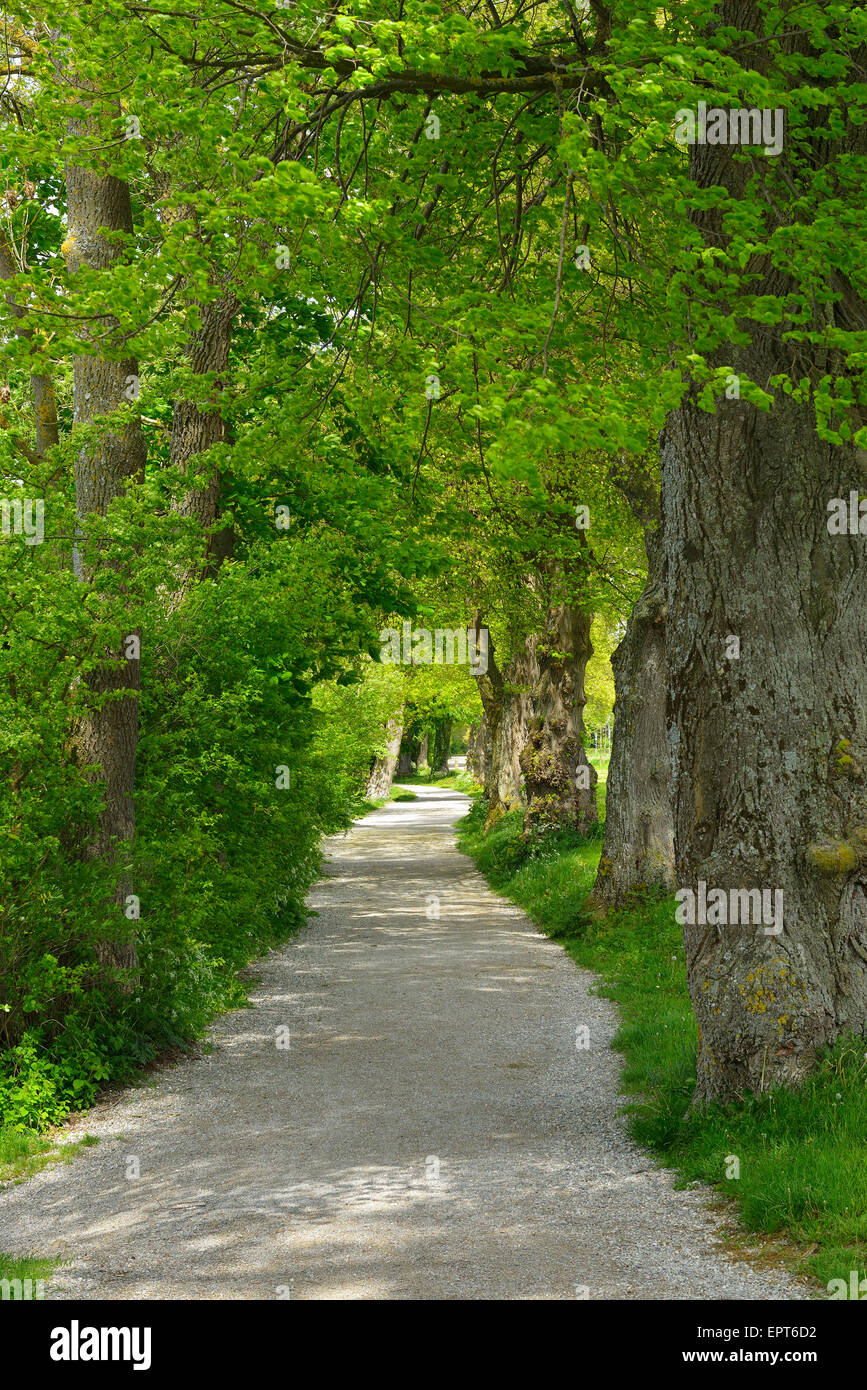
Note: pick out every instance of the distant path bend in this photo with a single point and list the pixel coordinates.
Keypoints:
(431, 1132)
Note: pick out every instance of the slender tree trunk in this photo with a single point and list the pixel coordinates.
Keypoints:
(638, 849)
(44, 412)
(41, 384)
(382, 773)
(106, 737)
(560, 782)
(198, 424)
(197, 419)
(766, 649)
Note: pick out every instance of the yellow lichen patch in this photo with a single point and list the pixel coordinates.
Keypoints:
(755, 996)
(836, 857)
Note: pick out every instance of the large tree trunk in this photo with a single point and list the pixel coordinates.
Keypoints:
(505, 697)
(769, 748)
(381, 776)
(766, 648)
(410, 749)
(106, 737)
(560, 782)
(486, 750)
(638, 849)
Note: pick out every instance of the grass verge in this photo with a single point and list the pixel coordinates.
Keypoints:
(24, 1152)
(800, 1175)
(458, 781)
(27, 1277)
(398, 792)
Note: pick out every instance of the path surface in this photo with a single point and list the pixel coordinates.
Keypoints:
(431, 1132)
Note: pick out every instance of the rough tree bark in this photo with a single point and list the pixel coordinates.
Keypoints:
(486, 750)
(106, 738)
(506, 701)
(410, 749)
(769, 744)
(198, 424)
(560, 782)
(638, 849)
(197, 420)
(476, 751)
(381, 776)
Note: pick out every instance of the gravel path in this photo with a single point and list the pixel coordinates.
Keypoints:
(432, 1131)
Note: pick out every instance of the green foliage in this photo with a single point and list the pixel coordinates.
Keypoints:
(223, 857)
(599, 677)
(284, 164)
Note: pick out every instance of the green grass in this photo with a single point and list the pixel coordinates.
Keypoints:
(600, 761)
(397, 793)
(802, 1154)
(24, 1152)
(459, 781)
(26, 1268)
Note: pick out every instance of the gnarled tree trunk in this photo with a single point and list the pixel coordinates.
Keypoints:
(409, 755)
(381, 776)
(560, 783)
(766, 649)
(638, 849)
(505, 697)
(476, 751)
(769, 746)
